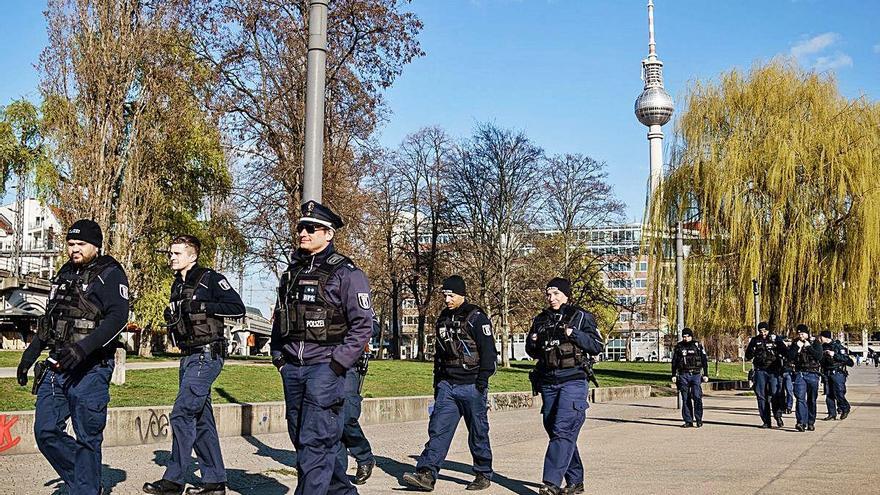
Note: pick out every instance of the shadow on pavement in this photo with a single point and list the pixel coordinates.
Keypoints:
(710, 422)
(281, 456)
(636, 421)
(254, 483)
(395, 468)
(110, 477)
(237, 479)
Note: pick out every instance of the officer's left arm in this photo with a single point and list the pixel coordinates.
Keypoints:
(816, 349)
(840, 354)
(481, 330)
(584, 333)
(354, 294)
(225, 301)
(704, 360)
(110, 292)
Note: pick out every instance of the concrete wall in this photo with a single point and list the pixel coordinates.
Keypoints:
(148, 425)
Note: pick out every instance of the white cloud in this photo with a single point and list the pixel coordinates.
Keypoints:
(814, 45)
(831, 62)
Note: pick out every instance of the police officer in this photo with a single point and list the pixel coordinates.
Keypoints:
(464, 359)
(200, 300)
(834, 362)
(690, 368)
(87, 309)
(805, 356)
(787, 397)
(766, 352)
(563, 338)
(322, 322)
(354, 441)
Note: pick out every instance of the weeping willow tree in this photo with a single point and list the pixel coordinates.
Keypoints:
(776, 177)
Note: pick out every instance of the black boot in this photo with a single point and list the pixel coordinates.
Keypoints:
(364, 472)
(422, 479)
(687, 425)
(843, 415)
(481, 482)
(829, 418)
(550, 489)
(800, 427)
(207, 489)
(779, 423)
(811, 427)
(163, 487)
(573, 489)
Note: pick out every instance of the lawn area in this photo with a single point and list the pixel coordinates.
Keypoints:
(10, 359)
(385, 379)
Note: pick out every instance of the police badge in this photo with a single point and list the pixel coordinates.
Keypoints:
(364, 300)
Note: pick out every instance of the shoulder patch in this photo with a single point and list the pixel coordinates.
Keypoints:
(224, 284)
(487, 330)
(123, 291)
(364, 300)
(335, 259)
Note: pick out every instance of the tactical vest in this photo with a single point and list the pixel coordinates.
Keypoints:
(454, 344)
(304, 313)
(70, 316)
(805, 361)
(828, 363)
(765, 354)
(691, 358)
(193, 329)
(559, 352)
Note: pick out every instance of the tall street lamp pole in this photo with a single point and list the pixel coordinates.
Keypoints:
(316, 72)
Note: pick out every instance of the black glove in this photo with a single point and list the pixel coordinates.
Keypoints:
(22, 374)
(279, 362)
(337, 368)
(481, 387)
(71, 356)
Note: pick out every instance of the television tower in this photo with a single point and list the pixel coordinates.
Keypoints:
(653, 108)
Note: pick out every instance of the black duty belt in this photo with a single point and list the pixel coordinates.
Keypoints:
(215, 349)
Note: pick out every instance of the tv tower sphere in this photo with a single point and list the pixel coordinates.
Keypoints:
(654, 106)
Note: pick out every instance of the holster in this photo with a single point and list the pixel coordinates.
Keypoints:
(40, 369)
(535, 379)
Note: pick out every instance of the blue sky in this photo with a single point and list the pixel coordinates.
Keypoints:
(566, 72)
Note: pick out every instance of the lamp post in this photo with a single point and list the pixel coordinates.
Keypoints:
(316, 73)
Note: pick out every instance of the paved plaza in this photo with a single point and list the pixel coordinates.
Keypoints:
(629, 447)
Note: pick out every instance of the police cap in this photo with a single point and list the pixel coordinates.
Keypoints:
(314, 212)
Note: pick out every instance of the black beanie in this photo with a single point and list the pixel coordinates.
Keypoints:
(687, 331)
(825, 333)
(562, 285)
(454, 284)
(86, 230)
(803, 329)
(763, 326)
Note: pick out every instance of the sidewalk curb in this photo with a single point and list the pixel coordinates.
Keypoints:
(151, 424)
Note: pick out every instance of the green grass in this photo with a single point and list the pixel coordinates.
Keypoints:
(386, 379)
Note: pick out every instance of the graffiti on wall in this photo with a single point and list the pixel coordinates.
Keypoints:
(6, 440)
(153, 428)
(504, 402)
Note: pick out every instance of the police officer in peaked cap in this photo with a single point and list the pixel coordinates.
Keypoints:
(322, 323)
(464, 359)
(87, 309)
(200, 300)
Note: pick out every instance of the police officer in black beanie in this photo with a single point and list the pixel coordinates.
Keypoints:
(690, 368)
(806, 356)
(87, 309)
(464, 359)
(563, 338)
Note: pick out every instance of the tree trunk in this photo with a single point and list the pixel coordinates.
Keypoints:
(395, 327)
(421, 336)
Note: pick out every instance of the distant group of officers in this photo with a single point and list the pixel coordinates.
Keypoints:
(321, 329)
(783, 375)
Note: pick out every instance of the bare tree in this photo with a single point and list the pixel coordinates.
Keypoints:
(496, 193)
(423, 163)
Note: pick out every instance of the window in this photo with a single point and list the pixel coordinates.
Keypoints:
(619, 267)
(619, 283)
(643, 266)
(411, 320)
(408, 304)
(641, 283)
(623, 316)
